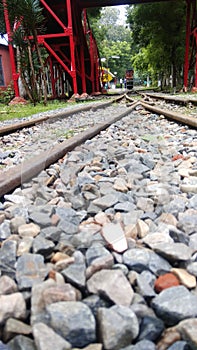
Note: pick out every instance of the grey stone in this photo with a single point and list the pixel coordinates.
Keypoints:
(69, 220)
(42, 246)
(173, 251)
(41, 219)
(30, 269)
(192, 202)
(45, 338)
(8, 258)
(20, 342)
(151, 328)
(73, 321)
(169, 305)
(105, 282)
(75, 273)
(118, 326)
(95, 252)
(52, 233)
(180, 345)
(144, 259)
(5, 230)
(145, 284)
(187, 223)
(141, 345)
(106, 201)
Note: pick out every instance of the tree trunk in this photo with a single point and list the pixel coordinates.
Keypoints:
(174, 70)
(22, 74)
(32, 75)
(43, 76)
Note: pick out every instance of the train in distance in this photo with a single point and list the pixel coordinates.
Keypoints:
(129, 76)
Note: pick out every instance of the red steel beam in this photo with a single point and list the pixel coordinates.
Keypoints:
(191, 42)
(15, 75)
(72, 47)
(187, 42)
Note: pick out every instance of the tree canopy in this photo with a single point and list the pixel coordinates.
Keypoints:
(113, 39)
(158, 33)
(153, 42)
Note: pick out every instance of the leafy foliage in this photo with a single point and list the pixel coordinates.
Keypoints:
(152, 25)
(113, 39)
(7, 94)
(27, 21)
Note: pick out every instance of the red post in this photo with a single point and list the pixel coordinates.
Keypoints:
(187, 42)
(92, 61)
(72, 47)
(195, 82)
(15, 75)
(82, 58)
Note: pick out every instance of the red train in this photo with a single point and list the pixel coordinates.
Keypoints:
(129, 75)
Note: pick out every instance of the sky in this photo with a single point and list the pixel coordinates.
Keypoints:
(121, 8)
(3, 41)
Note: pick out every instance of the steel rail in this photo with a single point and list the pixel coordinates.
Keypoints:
(181, 118)
(28, 123)
(20, 174)
(176, 99)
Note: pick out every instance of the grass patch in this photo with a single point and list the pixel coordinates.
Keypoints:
(21, 111)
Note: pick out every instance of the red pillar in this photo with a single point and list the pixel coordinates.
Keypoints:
(187, 42)
(191, 42)
(195, 34)
(72, 47)
(92, 62)
(11, 50)
(82, 58)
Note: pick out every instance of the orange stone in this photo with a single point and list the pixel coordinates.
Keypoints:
(166, 281)
(177, 156)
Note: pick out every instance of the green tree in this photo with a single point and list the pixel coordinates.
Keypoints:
(113, 39)
(29, 52)
(109, 16)
(93, 18)
(152, 25)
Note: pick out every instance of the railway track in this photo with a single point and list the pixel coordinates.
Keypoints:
(56, 150)
(99, 226)
(172, 98)
(7, 129)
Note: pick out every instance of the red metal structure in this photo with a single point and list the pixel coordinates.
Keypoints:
(73, 55)
(73, 61)
(191, 44)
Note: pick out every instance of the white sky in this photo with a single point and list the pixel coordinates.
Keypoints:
(121, 8)
(3, 41)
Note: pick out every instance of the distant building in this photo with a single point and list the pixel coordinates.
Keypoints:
(5, 67)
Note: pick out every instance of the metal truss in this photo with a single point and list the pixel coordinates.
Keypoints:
(73, 61)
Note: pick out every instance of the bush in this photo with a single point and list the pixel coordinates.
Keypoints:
(7, 95)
